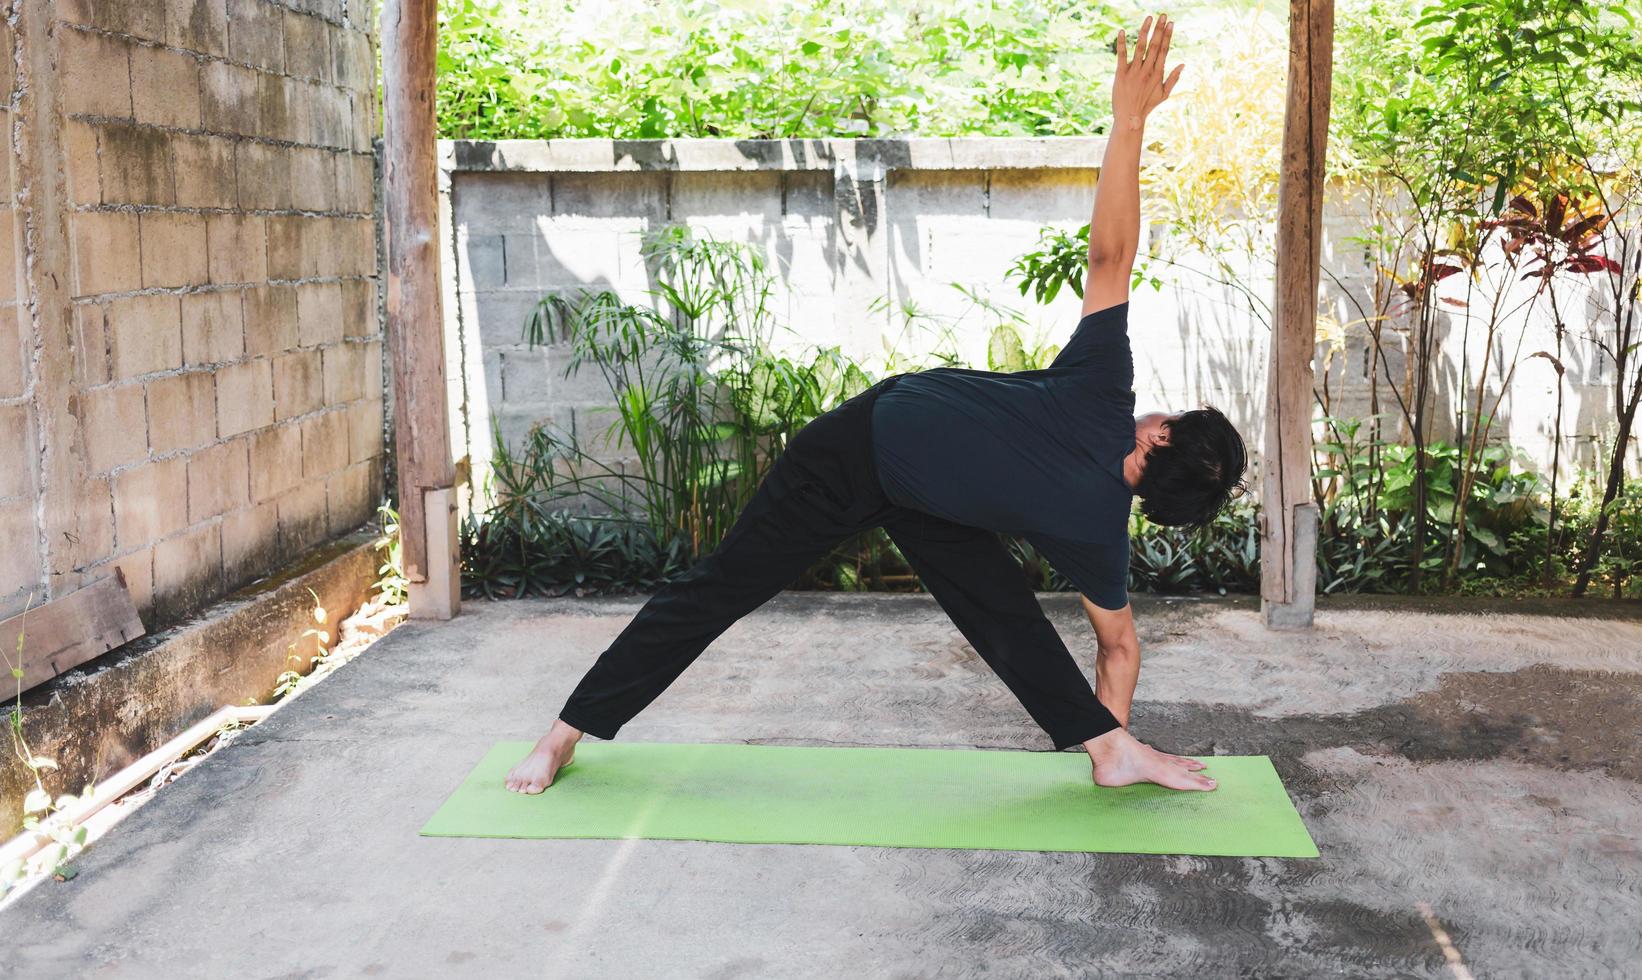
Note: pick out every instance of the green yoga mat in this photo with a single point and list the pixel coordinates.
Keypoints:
(751, 794)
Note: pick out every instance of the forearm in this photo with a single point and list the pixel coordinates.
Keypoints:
(1137, 88)
(1116, 671)
(1114, 227)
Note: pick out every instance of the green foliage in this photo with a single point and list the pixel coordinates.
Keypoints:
(1365, 541)
(702, 401)
(631, 69)
(1061, 259)
(391, 583)
(1007, 350)
(559, 553)
(1463, 99)
(294, 678)
(703, 404)
(43, 814)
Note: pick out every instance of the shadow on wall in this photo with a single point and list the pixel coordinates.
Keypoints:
(1224, 360)
(505, 264)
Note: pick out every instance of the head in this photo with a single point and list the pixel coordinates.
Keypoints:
(1191, 466)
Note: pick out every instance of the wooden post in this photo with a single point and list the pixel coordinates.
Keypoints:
(1288, 551)
(415, 325)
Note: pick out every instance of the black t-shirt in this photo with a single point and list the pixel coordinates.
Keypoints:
(1035, 453)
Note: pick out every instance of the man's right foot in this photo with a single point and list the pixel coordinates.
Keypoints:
(553, 752)
(1120, 759)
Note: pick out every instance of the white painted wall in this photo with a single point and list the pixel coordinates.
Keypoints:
(860, 229)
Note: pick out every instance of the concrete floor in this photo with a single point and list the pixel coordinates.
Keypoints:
(1481, 767)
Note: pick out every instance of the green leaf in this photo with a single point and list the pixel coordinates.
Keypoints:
(37, 800)
(1489, 539)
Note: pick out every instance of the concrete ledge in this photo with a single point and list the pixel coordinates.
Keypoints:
(610, 156)
(97, 718)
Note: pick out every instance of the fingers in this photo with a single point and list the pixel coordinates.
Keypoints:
(1165, 30)
(1141, 39)
(1174, 76)
(1122, 49)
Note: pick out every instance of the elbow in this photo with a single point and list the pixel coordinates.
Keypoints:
(1121, 652)
(1111, 257)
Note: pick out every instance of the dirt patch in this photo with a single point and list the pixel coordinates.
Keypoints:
(1562, 719)
(1541, 715)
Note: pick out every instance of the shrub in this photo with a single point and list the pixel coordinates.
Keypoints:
(630, 69)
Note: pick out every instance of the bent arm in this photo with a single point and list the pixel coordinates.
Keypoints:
(1114, 227)
(1117, 664)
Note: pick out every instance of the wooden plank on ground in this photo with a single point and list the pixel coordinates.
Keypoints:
(65, 633)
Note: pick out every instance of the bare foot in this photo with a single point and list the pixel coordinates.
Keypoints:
(1120, 760)
(553, 752)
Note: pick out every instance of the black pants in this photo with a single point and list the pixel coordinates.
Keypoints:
(822, 490)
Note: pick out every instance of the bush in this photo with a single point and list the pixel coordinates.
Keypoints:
(631, 69)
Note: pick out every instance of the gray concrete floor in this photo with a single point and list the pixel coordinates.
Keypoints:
(1482, 767)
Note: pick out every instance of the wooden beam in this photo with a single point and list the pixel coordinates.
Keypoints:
(415, 324)
(65, 633)
(1288, 552)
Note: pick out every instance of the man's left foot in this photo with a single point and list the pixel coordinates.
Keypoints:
(552, 753)
(1121, 760)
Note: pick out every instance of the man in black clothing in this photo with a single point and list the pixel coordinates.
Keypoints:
(943, 460)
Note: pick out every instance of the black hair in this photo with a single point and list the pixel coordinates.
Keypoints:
(1186, 482)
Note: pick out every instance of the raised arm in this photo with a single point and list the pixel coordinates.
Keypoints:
(1114, 228)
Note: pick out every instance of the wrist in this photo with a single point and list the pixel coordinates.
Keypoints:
(1127, 131)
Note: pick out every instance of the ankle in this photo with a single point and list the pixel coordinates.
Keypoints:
(1106, 747)
(561, 735)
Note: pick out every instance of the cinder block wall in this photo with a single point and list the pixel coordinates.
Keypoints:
(19, 528)
(192, 354)
(857, 232)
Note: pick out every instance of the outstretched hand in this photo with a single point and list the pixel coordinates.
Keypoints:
(1140, 85)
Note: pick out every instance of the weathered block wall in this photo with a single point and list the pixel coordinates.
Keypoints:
(859, 231)
(220, 405)
(20, 567)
